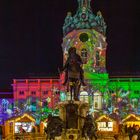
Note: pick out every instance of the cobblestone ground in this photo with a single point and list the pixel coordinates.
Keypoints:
(26, 137)
(43, 137)
(120, 137)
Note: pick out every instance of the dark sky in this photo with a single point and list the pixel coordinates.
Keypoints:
(31, 36)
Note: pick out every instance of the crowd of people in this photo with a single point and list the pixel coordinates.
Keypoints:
(131, 132)
(134, 132)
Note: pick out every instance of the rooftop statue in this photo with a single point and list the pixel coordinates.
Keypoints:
(84, 3)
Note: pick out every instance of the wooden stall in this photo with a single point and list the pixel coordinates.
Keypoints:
(131, 120)
(19, 124)
(107, 126)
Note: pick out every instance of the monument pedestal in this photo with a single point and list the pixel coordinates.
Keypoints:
(73, 113)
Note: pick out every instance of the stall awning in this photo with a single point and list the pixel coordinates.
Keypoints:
(104, 118)
(131, 118)
(23, 118)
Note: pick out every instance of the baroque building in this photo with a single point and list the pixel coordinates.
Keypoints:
(86, 32)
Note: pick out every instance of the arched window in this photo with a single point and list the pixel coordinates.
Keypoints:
(84, 55)
(84, 96)
(97, 58)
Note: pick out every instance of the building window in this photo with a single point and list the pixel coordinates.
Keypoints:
(84, 55)
(136, 91)
(84, 96)
(45, 92)
(97, 58)
(111, 91)
(21, 93)
(96, 105)
(33, 92)
(57, 92)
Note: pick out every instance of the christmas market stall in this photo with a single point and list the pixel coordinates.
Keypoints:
(131, 120)
(106, 126)
(20, 124)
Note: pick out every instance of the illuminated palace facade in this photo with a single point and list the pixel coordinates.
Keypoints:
(87, 33)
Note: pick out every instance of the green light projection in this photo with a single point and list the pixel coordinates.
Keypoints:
(88, 43)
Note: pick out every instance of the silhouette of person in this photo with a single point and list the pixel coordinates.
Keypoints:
(136, 132)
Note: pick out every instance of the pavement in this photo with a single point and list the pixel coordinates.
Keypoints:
(26, 137)
(43, 137)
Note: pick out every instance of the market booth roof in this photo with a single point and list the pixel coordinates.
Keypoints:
(106, 126)
(105, 118)
(131, 117)
(10, 124)
(23, 118)
(131, 120)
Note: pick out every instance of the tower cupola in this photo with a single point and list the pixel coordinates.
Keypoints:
(86, 32)
(84, 19)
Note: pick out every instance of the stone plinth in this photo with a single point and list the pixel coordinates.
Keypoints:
(76, 109)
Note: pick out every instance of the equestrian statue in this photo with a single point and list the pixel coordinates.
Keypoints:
(74, 74)
(89, 128)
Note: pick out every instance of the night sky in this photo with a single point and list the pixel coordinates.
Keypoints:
(31, 37)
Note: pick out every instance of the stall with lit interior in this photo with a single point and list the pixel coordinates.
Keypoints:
(19, 124)
(106, 125)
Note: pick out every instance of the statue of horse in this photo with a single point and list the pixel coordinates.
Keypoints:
(89, 128)
(54, 127)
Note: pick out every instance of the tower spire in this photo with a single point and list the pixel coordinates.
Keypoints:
(84, 3)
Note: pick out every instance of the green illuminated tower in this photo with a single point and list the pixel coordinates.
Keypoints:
(86, 32)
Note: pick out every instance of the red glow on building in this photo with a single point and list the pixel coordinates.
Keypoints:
(42, 89)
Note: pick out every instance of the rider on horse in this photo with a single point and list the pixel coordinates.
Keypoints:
(55, 127)
(73, 63)
(89, 128)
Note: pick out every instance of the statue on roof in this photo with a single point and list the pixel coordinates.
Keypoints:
(68, 22)
(84, 3)
(68, 18)
(100, 21)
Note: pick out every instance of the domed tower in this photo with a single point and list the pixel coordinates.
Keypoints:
(86, 32)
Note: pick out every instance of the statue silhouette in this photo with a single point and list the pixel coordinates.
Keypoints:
(74, 74)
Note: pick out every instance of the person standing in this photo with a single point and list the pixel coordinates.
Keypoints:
(136, 133)
(0, 132)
